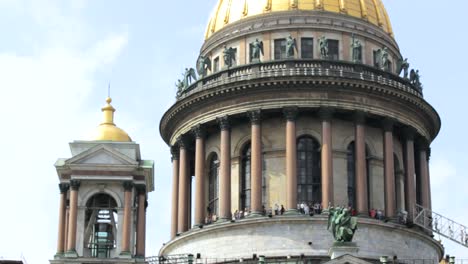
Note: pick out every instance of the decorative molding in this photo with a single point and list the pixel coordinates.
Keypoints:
(255, 116)
(223, 122)
(75, 184)
(174, 153)
(64, 187)
(199, 131)
(290, 113)
(128, 186)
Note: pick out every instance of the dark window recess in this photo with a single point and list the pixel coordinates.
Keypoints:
(309, 182)
(280, 49)
(307, 48)
(213, 185)
(245, 179)
(216, 64)
(333, 49)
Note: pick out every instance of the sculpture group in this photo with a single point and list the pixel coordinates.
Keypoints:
(342, 224)
(381, 60)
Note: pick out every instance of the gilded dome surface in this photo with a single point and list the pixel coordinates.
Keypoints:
(230, 11)
(107, 130)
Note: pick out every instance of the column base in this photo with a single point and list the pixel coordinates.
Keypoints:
(255, 215)
(125, 255)
(292, 212)
(343, 248)
(224, 220)
(71, 254)
(59, 255)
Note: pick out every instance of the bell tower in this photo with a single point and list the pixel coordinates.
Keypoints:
(103, 198)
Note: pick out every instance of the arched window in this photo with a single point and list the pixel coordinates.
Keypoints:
(351, 168)
(213, 185)
(245, 189)
(100, 225)
(309, 184)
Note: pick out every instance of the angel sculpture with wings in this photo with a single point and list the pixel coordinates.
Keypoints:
(256, 50)
(229, 55)
(415, 78)
(342, 224)
(403, 66)
(382, 60)
(189, 77)
(203, 65)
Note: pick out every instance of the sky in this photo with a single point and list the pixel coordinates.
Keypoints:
(58, 57)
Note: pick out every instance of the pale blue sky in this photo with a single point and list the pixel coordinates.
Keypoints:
(56, 58)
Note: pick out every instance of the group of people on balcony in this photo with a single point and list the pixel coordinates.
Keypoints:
(310, 208)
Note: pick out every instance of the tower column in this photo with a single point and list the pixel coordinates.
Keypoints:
(327, 158)
(410, 184)
(199, 133)
(141, 224)
(127, 218)
(175, 190)
(424, 176)
(389, 170)
(182, 215)
(62, 218)
(361, 165)
(225, 170)
(71, 241)
(291, 159)
(256, 162)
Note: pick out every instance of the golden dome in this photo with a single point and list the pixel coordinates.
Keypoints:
(107, 130)
(230, 11)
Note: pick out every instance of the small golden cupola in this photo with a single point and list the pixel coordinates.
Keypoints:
(107, 130)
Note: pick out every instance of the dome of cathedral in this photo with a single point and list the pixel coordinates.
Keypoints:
(229, 11)
(107, 130)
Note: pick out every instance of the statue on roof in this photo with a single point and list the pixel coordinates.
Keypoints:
(180, 87)
(382, 60)
(341, 224)
(323, 46)
(290, 46)
(356, 48)
(403, 66)
(415, 79)
(229, 56)
(189, 77)
(256, 50)
(203, 65)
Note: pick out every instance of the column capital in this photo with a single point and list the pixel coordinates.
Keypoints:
(387, 124)
(422, 144)
(290, 113)
(409, 133)
(182, 142)
(127, 185)
(223, 122)
(255, 116)
(326, 113)
(199, 131)
(140, 188)
(360, 117)
(75, 184)
(174, 153)
(64, 187)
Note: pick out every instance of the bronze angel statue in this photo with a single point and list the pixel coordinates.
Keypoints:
(415, 78)
(189, 77)
(290, 46)
(403, 66)
(203, 65)
(382, 61)
(229, 56)
(323, 46)
(342, 224)
(256, 50)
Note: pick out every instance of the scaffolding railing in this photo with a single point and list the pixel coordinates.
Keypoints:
(439, 224)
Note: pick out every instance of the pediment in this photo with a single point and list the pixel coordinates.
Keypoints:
(347, 259)
(101, 155)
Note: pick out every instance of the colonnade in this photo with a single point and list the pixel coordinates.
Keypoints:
(67, 231)
(180, 202)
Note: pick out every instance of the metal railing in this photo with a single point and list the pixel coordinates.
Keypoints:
(309, 69)
(437, 223)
